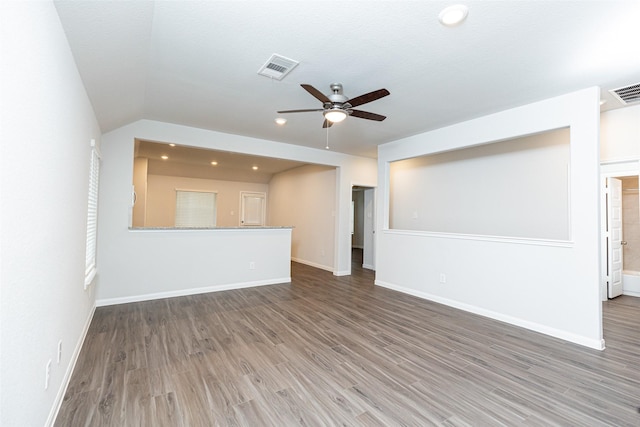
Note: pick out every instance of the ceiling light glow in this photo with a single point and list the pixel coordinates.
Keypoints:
(453, 15)
(165, 157)
(335, 115)
(214, 163)
(281, 121)
(172, 145)
(255, 168)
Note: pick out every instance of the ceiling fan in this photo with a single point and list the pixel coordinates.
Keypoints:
(336, 107)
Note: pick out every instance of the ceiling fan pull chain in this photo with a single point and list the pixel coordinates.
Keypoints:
(327, 146)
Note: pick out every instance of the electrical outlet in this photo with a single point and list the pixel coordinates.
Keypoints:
(252, 265)
(47, 374)
(59, 351)
(443, 278)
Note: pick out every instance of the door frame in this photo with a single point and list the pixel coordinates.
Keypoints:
(369, 244)
(610, 169)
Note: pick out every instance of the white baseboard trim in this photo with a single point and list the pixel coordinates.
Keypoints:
(57, 403)
(322, 267)
(557, 333)
(313, 264)
(368, 267)
(631, 293)
(193, 291)
(630, 284)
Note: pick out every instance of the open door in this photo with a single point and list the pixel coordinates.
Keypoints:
(614, 237)
(368, 254)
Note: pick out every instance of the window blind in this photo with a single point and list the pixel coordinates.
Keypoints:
(92, 217)
(195, 209)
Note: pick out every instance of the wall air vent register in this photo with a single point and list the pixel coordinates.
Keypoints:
(628, 94)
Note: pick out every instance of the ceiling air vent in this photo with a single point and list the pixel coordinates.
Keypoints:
(277, 67)
(627, 94)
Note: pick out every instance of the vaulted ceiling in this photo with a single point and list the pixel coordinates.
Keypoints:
(195, 63)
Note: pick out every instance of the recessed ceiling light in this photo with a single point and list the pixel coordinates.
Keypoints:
(281, 121)
(214, 163)
(255, 168)
(164, 157)
(453, 15)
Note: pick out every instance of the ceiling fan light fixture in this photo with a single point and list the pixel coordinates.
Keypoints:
(453, 15)
(336, 107)
(335, 115)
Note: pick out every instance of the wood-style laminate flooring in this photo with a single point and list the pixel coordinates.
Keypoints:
(326, 351)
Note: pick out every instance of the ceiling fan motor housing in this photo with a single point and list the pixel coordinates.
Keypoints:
(338, 100)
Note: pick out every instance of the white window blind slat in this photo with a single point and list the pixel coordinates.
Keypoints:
(195, 209)
(92, 218)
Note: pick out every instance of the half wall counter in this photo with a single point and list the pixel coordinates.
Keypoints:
(164, 262)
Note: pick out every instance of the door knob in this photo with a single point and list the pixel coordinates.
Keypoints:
(623, 242)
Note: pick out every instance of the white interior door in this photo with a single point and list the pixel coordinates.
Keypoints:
(252, 209)
(368, 253)
(614, 237)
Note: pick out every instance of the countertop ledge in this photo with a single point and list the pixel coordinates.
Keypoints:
(246, 227)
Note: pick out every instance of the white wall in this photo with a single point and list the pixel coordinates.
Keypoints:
(620, 134)
(47, 124)
(162, 264)
(547, 286)
(124, 268)
(305, 198)
(139, 211)
(487, 189)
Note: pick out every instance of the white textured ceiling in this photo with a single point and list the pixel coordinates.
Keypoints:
(195, 63)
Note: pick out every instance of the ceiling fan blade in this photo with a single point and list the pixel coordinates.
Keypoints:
(326, 124)
(368, 97)
(367, 115)
(316, 93)
(300, 111)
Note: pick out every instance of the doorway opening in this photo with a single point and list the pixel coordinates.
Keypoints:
(363, 224)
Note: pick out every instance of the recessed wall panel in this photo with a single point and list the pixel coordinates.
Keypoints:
(513, 188)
